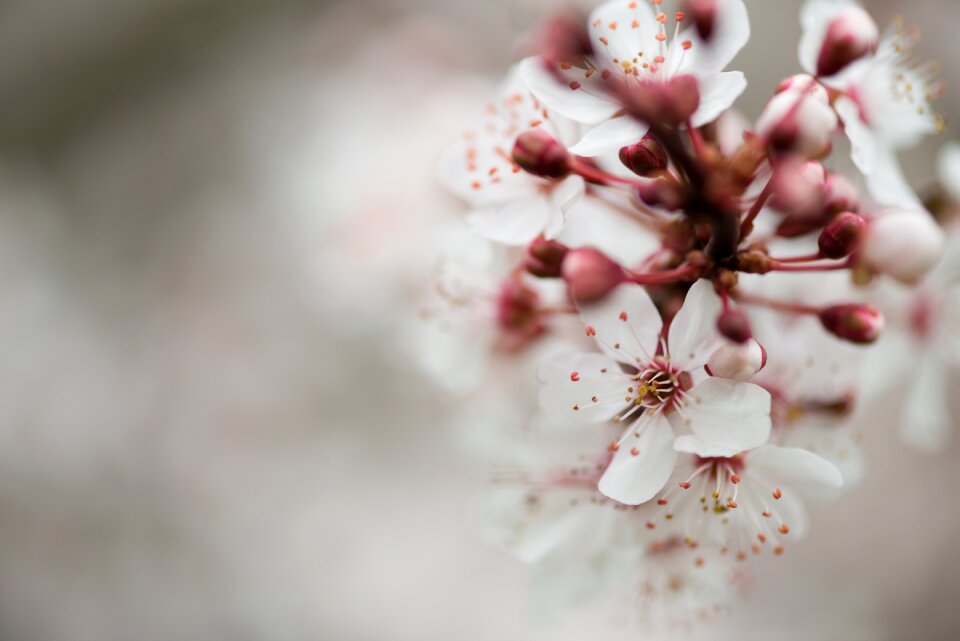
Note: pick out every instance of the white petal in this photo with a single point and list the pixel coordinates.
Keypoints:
(887, 184)
(462, 174)
(863, 142)
(610, 136)
(926, 420)
(583, 105)
(599, 377)
(693, 331)
(626, 324)
(814, 477)
(692, 445)
(718, 92)
(643, 464)
(514, 223)
(614, 22)
(730, 34)
(728, 413)
(563, 198)
(948, 169)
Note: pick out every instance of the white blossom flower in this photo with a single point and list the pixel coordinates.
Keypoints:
(743, 502)
(509, 205)
(885, 104)
(630, 40)
(655, 390)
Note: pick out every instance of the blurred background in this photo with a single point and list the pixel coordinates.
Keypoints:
(212, 215)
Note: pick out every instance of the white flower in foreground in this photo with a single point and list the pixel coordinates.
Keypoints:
(904, 244)
(653, 389)
(631, 41)
(510, 206)
(885, 104)
(746, 501)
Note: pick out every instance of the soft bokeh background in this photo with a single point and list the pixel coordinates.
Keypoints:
(211, 214)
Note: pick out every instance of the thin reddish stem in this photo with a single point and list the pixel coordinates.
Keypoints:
(747, 225)
(806, 258)
(661, 278)
(779, 305)
(596, 174)
(781, 267)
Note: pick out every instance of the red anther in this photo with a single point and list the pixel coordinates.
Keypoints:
(698, 561)
(661, 501)
(574, 376)
(574, 85)
(762, 537)
(651, 525)
(685, 485)
(634, 451)
(623, 316)
(661, 18)
(661, 36)
(732, 504)
(778, 550)
(679, 16)
(741, 556)
(784, 528)
(614, 446)
(613, 25)
(766, 514)
(686, 44)
(734, 478)
(591, 331)
(777, 494)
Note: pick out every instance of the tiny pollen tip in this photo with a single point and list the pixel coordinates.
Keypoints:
(623, 316)
(777, 494)
(766, 514)
(784, 528)
(574, 376)
(651, 525)
(661, 501)
(614, 446)
(634, 452)
(661, 36)
(735, 478)
(574, 85)
(679, 16)
(591, 330)
(686, 44)
(732, 504)
(778, 550)
(661, 18)
(685, 485)
(762, 537)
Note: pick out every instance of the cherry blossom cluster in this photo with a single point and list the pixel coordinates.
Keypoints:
(706, 300)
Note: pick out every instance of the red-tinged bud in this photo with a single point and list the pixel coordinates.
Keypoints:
(794, 226)
(662, 192)
(537, 152)
(841, 236)
(590, 274)
(799, 118)
(735, 325)
(739, 362)
(850, 36)
(798, 187)
(853, 322)
(518, 313)
(545, 257)
(840, 195)
(645, 157)
(704, 16)
(669, 102)
(562, 39)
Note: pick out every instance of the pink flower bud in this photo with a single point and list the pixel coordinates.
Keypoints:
(669, 102)
(853, 322)
(545, 257)
(850, 36)
(704, 15)
(840, 195)
(539, 153)
(735, 325)
(661, 192)
(739, 362)
(841, 236)
(798, 187)
(644, 157)
(798, 119)
(590, 274)
(903, 244)
(518, 313)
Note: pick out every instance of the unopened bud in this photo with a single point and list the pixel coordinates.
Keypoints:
(841, 236)
(662, 192)
(739, 362)
(840, 195)
(545, 257)
(850, 36)
(518, 312)
(903, 244)
(671, 102)
(704, 15)
(753, 262)
(798, 188)
(644, 157)
(537, 152)
(735, 325)
(590, 274)
(799, 118)
(853, 322)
